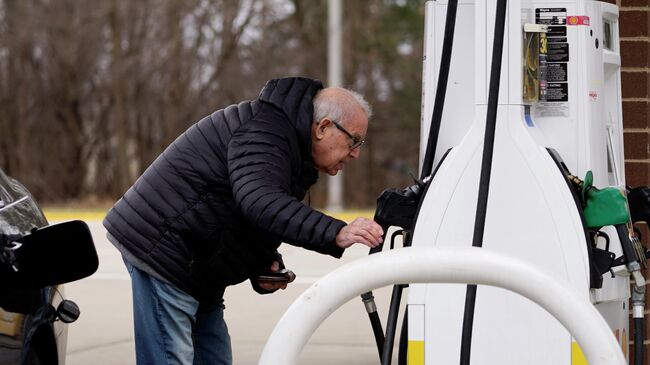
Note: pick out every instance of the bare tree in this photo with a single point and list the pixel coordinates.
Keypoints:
(91, 94)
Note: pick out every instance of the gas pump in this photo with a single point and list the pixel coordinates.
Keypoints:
(558, 110)
(508, 143)
(561, 98)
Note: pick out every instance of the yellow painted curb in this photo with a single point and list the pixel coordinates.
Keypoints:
(54, 215)
(350, 215)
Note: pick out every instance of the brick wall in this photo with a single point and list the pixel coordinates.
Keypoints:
(635, 46)
(634, 27)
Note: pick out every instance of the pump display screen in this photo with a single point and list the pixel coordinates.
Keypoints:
(550, 16)
(607, 35)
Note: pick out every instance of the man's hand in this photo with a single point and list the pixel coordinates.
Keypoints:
(273, 286)
(360, 230)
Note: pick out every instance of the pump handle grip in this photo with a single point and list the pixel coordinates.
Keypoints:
(380, 247)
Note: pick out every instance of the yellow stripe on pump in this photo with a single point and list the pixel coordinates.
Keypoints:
(577, 357)
(416, 353)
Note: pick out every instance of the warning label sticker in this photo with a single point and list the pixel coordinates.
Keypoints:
(551, 16)
(551, 110)
(553, 62)
(557, 52)
(556, 31)
(554, 92)
(554, 72)
(556, 40)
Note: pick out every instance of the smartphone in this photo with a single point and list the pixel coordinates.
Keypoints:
(283, 276)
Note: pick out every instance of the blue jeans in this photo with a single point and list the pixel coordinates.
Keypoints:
(172, 328)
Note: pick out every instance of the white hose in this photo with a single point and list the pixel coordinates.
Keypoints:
(440, 265)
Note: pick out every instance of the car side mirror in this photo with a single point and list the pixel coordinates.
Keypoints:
(51, 255)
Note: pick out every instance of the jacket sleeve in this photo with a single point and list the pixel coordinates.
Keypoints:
(259, 164)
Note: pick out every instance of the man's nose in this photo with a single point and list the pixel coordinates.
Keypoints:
(355, 152)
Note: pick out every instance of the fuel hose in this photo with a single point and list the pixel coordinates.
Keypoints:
(486, 168)
(441, 89)
(385, 343)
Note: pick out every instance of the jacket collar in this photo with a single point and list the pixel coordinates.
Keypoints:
(294, 96)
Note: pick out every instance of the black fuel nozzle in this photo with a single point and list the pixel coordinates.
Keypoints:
(638, 200)
(635, 258)
(398, 207)
(634, 254)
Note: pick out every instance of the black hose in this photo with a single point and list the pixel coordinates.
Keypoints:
(486, 168)
(450, 23)
(441, 89)
(443, 77)
(369, 301)
(391, 325)
(626, 244)
(638, 341)
(403, 340)
(377, 331)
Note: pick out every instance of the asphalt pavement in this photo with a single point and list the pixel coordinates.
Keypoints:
(104, 332)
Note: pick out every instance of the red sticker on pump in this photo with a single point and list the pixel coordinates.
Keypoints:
(577, 20)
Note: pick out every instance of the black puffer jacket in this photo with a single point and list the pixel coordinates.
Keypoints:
(214, 206)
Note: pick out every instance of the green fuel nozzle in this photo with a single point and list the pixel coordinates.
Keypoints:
(609, 207)
(602, 207)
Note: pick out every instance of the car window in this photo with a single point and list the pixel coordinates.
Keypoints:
(10, 189)
(5, 188)
(20, 213)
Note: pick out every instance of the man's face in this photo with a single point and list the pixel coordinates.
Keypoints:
(332, 147)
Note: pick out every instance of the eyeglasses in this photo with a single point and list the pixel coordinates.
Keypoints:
(356, 140)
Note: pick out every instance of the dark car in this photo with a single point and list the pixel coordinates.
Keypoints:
(34, 259)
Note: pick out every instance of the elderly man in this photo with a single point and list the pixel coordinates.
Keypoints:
(213, 208)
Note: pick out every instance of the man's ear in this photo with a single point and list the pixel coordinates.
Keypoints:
(320, 127)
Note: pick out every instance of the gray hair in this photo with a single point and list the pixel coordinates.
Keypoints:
(337, 103)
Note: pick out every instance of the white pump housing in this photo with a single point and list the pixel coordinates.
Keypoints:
(532, 213)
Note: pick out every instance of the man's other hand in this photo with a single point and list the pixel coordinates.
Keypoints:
(273, 286)
(360, 230)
